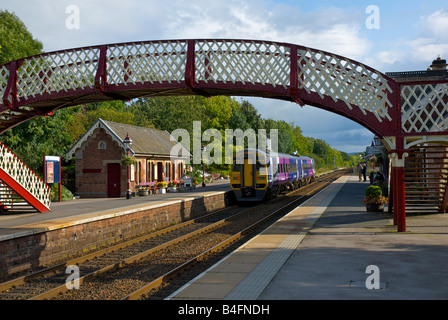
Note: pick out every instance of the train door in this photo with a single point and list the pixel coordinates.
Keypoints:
(249, 167)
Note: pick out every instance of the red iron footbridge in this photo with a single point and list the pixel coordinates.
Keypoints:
(401, 114)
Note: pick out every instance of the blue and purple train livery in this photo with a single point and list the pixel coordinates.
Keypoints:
(257, 175)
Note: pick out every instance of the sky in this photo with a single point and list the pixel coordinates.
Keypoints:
(390, 36)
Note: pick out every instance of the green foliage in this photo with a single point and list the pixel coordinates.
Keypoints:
(373, 191)
(65, 193)
(127, 160)
(41, 136)
(55, 134)
(15, 40)
(374, 195)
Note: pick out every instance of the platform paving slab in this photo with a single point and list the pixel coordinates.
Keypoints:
(329, 259)
(332, 260)
(258, 260)
(68, 213)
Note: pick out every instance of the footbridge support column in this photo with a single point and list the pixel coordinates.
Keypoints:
(397, 161)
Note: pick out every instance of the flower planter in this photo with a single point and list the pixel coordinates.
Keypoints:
(143, 192)
(162, 190)
(374, 200)
(374, 207)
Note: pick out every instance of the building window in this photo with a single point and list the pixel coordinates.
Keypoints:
(102, 145)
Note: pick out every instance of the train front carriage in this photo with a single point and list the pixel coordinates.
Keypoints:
(257, 175)
(249, 175)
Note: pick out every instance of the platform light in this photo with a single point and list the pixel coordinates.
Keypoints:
(127, 145)
(377, 140)
(203, 149)
(127, 142)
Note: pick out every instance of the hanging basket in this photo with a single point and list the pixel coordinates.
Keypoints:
(127, 160)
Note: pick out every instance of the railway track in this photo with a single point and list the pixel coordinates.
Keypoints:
(152, 266)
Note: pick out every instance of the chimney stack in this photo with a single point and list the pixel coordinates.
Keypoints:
(438, 64)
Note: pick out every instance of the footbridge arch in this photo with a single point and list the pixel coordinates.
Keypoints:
(399, 113)
(43, 83)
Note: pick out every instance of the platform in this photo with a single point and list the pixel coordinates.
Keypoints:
(69, 213)
(322, 249)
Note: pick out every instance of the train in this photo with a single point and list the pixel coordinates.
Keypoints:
(258, 175)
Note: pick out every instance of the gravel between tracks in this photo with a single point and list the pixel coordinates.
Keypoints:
(118, 283)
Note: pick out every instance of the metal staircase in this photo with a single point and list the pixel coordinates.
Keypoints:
(20, 188)
(426, 178)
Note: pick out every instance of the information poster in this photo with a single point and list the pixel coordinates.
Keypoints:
(52, 168)
(50, 172)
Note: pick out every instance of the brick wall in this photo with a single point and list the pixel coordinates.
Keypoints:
(91, 165)
(99, 150)
(46, 248)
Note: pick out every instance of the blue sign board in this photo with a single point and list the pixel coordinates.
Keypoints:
(52, 169)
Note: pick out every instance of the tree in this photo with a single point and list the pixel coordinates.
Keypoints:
(34, 139)
(300, 143)
(285, 143)
(15, 40)
(253, 118)
(83, 117)
(322, 149)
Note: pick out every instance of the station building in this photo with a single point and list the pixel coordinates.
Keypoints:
(98, 156)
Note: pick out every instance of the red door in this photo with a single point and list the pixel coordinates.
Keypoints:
(113, 180)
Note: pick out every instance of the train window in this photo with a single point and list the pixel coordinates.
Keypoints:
(262, 168)
(236, 167)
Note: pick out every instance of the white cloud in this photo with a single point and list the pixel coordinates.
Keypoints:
(436, 24)
(433, 37)
(426, 39)
(329, 28)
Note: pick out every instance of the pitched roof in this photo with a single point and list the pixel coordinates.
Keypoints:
(145, 141)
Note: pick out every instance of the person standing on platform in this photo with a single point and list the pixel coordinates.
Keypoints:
(364, 171)
(360, 169)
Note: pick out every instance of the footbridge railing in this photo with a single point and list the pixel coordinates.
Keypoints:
(23, 181)
(39, 84)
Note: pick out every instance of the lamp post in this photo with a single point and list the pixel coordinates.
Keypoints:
(127, 144)
(377, 140)
(203, 168)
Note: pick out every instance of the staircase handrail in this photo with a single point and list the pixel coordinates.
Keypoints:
(11, 164)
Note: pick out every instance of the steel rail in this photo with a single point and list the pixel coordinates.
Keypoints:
(157, 283)
(63, 288)
(21, 280)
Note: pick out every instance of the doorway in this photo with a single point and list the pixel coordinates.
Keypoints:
(113, 180)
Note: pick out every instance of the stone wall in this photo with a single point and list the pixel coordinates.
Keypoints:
(50, 247)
